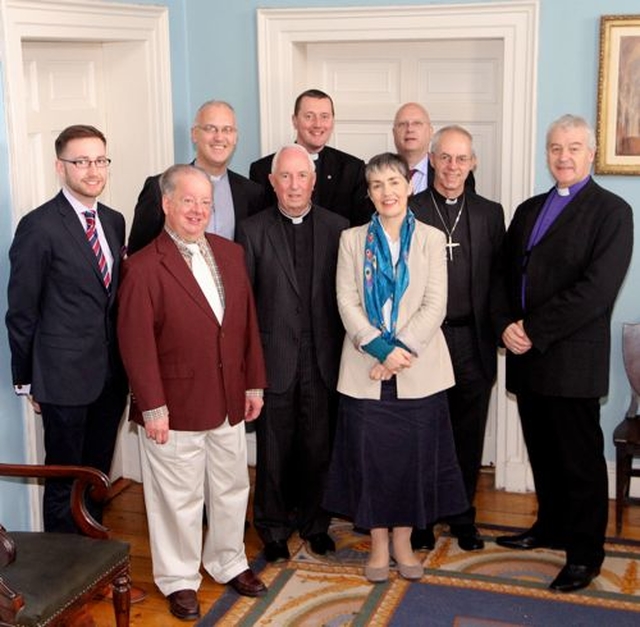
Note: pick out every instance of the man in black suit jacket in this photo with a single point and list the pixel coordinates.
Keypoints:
(292, 251)
(340, 183)
(215, 134)
(62, 321)
(567, 252)
(412, 130)
(474, 227)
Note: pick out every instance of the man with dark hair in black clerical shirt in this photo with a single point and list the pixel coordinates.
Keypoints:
(474, 227)
(340, 184)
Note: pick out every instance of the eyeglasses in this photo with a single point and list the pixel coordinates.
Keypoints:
(211, 129)
(85, 164)
(444, 158)
(406, 124)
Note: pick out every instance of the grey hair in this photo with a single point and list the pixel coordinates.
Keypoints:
(210, 103)
(300, 149)
(437, 137)
(169, 178)
(568, 121)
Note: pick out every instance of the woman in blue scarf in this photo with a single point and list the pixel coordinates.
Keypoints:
(394, 464)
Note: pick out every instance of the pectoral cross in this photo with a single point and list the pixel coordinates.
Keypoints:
(450, 245)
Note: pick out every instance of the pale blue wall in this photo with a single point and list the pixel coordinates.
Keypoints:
(213, 54)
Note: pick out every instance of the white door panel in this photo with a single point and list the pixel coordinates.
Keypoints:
(459, 81)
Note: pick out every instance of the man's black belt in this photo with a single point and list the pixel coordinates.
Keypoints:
(467, 321)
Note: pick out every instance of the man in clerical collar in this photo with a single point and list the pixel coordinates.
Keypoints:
(214, 134)
(567, 252)
(291, 251)
(412, 131)
(340, 184)
(474, 227)
(191, 347)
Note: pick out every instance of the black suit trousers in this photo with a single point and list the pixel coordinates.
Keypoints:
(468, 406)
(83, 435)
(566, 450)
(294, 440)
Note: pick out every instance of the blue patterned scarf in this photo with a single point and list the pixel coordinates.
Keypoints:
(381, 281)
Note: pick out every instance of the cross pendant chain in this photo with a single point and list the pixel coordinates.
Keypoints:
(450, 245)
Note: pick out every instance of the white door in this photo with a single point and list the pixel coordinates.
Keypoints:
(458, 81)
(88, 83)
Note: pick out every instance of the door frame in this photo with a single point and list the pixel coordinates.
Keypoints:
(68, 21)
(282, 36)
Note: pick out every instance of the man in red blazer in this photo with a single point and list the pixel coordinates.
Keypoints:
(191, 347)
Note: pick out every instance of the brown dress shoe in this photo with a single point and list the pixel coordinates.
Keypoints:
(247, 584)
(184, 605)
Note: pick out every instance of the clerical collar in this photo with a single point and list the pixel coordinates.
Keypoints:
(314, 156)
(447, 201)
(295, 219)
(572, 190)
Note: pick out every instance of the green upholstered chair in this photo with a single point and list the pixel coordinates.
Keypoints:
(47, 578)
(626, 436)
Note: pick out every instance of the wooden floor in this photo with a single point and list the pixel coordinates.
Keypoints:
(126, 518)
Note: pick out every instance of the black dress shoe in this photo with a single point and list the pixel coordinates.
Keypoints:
(423, 539)
(574, 577)
(468, 538)
(528, 540)
(247, 584)
(276, 551)
(183, 604)
(321, 543)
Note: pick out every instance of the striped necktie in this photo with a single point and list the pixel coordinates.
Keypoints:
(94, 242)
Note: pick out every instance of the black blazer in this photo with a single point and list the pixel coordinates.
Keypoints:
(486, 231)
(340, 187)
(573, 277)
(148, 217)
(61, 319)
(273, 277)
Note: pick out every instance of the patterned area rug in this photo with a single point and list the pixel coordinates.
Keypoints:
(495, 587)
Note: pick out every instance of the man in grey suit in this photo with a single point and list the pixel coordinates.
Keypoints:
(65, 264)
(291, 250)
(215, 135)
(567, 252)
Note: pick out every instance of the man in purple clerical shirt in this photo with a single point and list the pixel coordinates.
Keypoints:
(566, 254)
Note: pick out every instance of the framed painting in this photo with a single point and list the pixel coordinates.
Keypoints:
(618, 126)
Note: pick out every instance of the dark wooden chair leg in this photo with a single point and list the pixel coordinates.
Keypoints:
(122, 599)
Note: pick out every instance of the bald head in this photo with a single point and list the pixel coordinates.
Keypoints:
(412, 132)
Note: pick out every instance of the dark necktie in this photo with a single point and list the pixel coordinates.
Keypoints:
(94, 242)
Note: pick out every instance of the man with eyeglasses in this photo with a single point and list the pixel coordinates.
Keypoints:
(215, 135)
(65, 267)
(474, 227)
(191, 345)
(412, 130)
(340, 184)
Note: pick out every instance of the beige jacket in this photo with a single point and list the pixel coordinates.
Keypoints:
(420, 315)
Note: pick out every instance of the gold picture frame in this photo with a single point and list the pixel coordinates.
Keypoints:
(618, 127)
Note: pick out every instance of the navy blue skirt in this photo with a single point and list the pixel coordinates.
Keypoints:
(394, 462)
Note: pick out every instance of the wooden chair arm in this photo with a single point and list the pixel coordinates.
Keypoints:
(86, 479)
(7, 548)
